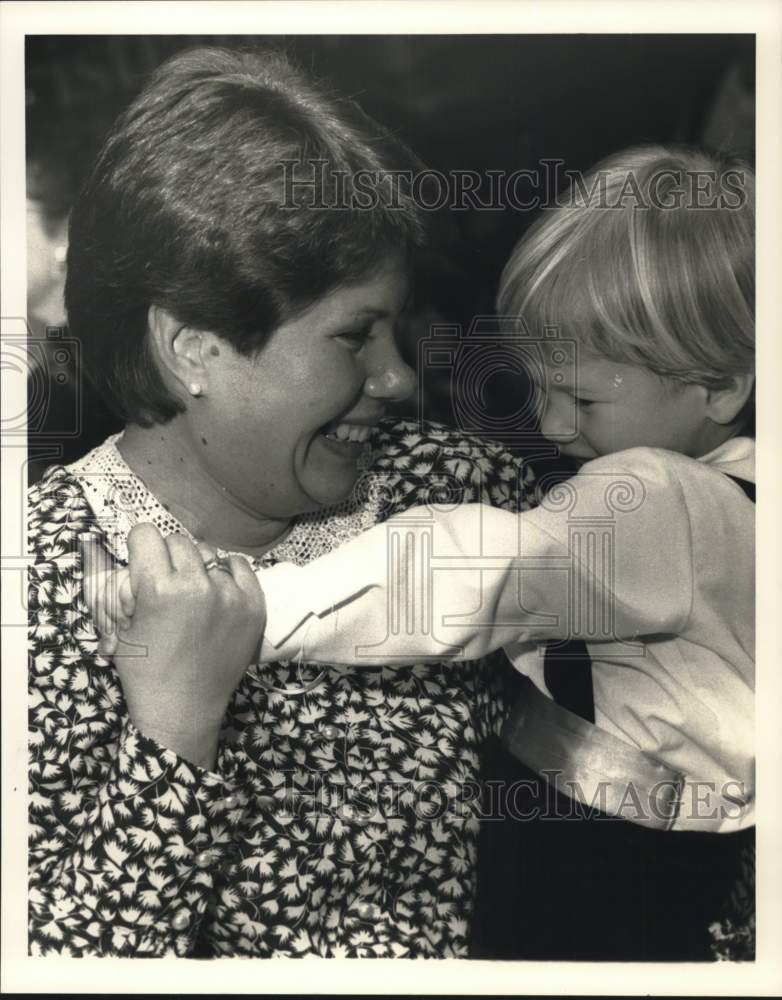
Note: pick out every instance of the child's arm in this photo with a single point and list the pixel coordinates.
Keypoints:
(607, 558)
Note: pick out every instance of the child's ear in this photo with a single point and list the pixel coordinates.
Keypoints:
(724, 404)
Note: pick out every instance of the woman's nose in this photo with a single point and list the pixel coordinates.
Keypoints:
(395, 381)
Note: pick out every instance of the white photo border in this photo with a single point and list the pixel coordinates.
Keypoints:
(21, 973)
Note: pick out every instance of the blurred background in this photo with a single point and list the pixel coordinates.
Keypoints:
(483, 103)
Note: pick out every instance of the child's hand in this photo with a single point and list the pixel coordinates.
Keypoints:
(107, 593)
(113, 611)
(110, 596)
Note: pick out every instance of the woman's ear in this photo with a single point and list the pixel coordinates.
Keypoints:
(179, 350)
(724, 404)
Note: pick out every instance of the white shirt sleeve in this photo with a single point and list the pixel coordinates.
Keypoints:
(606, 556)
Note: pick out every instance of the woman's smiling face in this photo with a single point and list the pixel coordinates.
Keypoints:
(281, 432)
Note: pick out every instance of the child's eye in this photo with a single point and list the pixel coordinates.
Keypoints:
(355, 339)
(583, 404)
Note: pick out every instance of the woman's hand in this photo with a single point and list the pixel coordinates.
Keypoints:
(186, 637)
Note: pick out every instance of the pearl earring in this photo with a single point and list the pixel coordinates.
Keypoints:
(195, 389)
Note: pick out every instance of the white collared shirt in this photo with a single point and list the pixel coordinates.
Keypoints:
(646, 554)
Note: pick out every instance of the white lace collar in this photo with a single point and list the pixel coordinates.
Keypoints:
(119, 499)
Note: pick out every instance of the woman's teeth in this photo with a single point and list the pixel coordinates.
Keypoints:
(349, 432)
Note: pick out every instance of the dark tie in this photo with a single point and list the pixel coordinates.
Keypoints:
(567, 671)
(748, 487)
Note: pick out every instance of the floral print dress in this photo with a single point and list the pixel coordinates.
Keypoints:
(341, 818)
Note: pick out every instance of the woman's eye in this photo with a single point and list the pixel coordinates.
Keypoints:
(354, 339)
(583, 404)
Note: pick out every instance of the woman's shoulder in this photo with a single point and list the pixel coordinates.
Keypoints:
(59, 515)
(432, 461)
(57, 489)
(410, 463)
(58, 512)
(407, 435)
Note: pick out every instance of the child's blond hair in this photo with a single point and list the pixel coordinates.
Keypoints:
(649, 261)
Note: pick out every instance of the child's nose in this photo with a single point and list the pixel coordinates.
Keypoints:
(556, 421)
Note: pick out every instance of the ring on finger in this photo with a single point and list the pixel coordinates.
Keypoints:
(218, 562)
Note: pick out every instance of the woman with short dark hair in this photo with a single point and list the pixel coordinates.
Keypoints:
(226, 195)
(238, 262)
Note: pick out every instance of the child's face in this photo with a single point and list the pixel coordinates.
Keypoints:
(617, 406)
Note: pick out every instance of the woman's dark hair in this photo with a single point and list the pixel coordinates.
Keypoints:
(191, 207)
